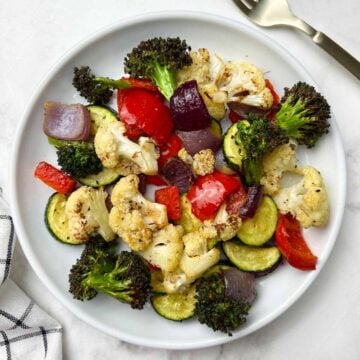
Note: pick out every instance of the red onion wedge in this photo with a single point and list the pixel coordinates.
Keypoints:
(254, 196)
(66, 121)
(244, 110)
(176, 172)
(187, 108)
(239, 285)
(194, 141)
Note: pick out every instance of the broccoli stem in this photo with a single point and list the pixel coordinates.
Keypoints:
(252, 171)
(115, 84)
(164, 80)
(290, 118)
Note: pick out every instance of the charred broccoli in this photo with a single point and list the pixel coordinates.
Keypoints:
(214, 308)
(159, 59)
(303, 114)
(125, 276)
(78, 159)
(97, 90)
(257, 136)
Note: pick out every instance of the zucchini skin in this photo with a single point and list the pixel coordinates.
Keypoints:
(254, 259)
(104, 177)
(174, 312)
(233, 152)
(52, 214)
(259, 229)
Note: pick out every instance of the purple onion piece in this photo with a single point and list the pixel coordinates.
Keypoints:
(194, 141)
(187, 108)
(255, 194)
(244, 110)
(176, 172)
(142, 183)
(239, 285)
(66, 122)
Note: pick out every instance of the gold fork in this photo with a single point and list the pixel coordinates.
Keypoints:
(277, 13)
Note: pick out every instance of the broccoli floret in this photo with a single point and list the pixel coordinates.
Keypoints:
(97, 257)
(215, 309)
(257, 136)
(303, 114)
(125, 277)
(78, 159)
(159, 59)
(97, 90)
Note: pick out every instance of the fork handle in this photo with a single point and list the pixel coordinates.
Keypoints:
(335, 50)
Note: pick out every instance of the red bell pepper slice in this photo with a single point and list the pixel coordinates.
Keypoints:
(55, 178)
(170, 197)
(292, 244)
(170, 149)
(155, 180)
(233, 116)
(143, 112)
(209, 192)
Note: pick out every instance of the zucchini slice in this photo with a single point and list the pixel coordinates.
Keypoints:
(176, 307)
(259, 229)
(55, 218)
(105, 177)
(251, 258)
(233, 152)
(100, 115)
(216, 268)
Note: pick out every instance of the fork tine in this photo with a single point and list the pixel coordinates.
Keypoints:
(243, 6)
(251, 3)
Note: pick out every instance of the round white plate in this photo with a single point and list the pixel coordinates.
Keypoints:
(104, 53)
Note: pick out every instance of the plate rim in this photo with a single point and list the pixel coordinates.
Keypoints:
(20, 229)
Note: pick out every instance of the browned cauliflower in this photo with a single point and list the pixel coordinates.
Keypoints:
(112, 147)
(87, 214)
(134, 218)
(306, 200)
(204, 162)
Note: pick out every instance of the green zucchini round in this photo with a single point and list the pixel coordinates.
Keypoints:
(177, 306)
(56, 220)
(260, 228)
(100, 115)
(251, 258)
(234, 153)
(105, 177)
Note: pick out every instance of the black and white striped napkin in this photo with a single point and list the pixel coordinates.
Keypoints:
(26, 331)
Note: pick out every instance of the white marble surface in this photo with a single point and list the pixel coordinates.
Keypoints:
(324, 323)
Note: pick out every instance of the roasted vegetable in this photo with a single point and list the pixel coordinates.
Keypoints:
(97, 90)
(125, 277)
(66, 121)
(158, 59)
(257, 136)
(303, 114)
(224, 300)
(78, 159)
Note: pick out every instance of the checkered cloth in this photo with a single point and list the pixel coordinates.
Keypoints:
(26, 332)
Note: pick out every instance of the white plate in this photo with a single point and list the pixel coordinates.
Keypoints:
(104, 53)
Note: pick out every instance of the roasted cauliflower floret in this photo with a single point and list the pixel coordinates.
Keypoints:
(195, 259)
(185, 157)
(275, 164)
(134, 218)
(245, 83)
(307, 200)
(227, 225)
(112, 147)
(204, 162)
(214, 100)
(87, 214)
(166, 249)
